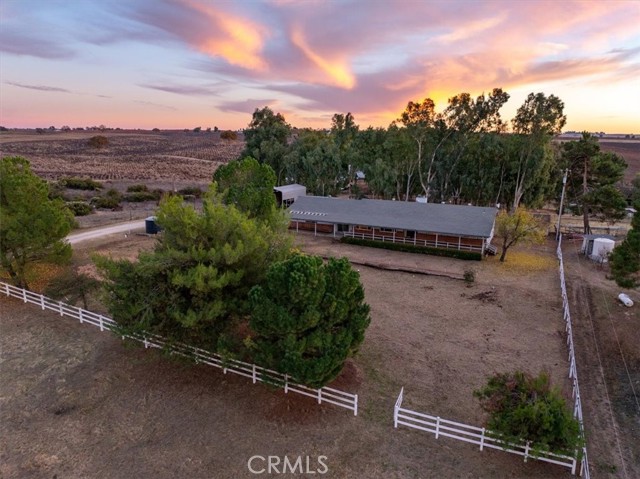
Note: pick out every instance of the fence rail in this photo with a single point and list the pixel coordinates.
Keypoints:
(573, 371)
(484, 438)
(241, 368)
(412, 241)
(473, 435)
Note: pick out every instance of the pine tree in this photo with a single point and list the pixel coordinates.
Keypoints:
(308, 318)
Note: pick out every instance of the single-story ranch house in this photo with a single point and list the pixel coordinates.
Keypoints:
(468, 228)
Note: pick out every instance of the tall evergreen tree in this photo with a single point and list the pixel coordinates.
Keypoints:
(308, 318)
(32, 226)
(625, 258)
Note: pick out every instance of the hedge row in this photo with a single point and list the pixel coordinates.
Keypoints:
(409, 248)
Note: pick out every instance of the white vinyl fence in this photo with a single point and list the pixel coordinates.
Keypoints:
(482, 437)
(573, 372)
(251, 371)
(471, 434)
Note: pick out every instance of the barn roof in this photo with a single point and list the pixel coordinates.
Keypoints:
(291, 191)
(427, 217)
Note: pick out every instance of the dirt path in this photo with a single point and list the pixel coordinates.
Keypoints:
(607, 337)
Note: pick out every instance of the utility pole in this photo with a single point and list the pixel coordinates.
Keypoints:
(564, 187)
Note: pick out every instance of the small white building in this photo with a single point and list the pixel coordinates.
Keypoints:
(287, 194)
(598, 247)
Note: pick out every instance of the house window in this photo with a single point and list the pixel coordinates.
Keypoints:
(386, 230)
(365, 228)
(410, 234)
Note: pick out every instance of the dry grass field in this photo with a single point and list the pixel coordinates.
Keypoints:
(159, 159)
(79, 403)
(629, 150)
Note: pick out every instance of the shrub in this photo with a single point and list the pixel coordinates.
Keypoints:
(191, 191)
(98, 141)
(79, 208)
(143, 195)
(524, 407)
(106, 202)
(469, 276)
(75, 183)
(113, 193)
(409, 248)
(229, 135)
(137, 188)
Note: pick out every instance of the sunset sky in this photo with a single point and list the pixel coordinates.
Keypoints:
(188, 63)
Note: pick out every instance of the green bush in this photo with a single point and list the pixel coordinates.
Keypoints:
(106, 202)
(191, 190)
(409, 248)
(140, 196)
(75, 183)
(524, 407)
(79, 208)
(137, 188)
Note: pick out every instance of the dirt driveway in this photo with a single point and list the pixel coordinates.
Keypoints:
(78, 403)
(607, 337)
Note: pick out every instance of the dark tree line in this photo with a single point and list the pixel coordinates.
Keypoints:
(462, 155)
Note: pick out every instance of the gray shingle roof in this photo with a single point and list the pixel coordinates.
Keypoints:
(428, 217)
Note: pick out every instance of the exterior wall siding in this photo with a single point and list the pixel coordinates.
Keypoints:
(451, 241)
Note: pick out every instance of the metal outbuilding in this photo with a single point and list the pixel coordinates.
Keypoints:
(287, 194)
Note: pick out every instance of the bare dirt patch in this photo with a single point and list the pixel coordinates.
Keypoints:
(79, 403)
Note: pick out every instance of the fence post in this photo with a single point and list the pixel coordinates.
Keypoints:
(482, 439)
(355, 405)
(42, 302)
(319, 395)
(24, 295)
(60, 307)
(573, 463)
(253, 374)
(526, 452)
(101, 323)
(6, 289)
(80, 311)
(437, 427)
(286, 383)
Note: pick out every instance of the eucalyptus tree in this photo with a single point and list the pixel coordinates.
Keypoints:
(465, 119)
(375, 161)
(418, 119)
(314, 160)
(267, 139)
(536, 122)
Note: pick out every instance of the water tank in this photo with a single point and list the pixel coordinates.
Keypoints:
(151, 227)
(601, 249)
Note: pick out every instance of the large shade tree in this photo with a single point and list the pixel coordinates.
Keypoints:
(267, 138)
(193, 287)
(537, 120)
(248, 185)
(308, 318)
(32, 226)
(592, 178)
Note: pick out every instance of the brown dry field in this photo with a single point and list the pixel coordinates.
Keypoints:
(79, 403)
(159, 159)
(629, 150)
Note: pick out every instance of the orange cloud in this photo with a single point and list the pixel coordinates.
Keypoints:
(337, 70)
(242, 42)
